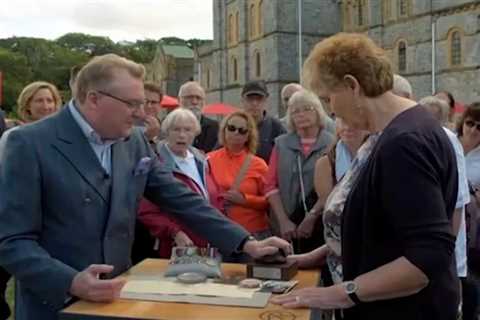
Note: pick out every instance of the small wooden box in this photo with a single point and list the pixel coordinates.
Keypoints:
(284, 271)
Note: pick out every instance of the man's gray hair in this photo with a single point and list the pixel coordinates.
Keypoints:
(402, 87)
(180, 114)
(293, 86)
(188, 84)
(438, 107)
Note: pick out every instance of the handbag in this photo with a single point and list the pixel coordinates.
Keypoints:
(302, 245)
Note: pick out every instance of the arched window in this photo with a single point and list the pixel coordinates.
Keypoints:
(260, 18)
(237, 29)
(258, 65)
(402, 56)
(403, 8)
(455, 48)
(207, 82)
(234, 69)
(387, 10)
(252, 21)
(347, 15)
(230, 30)
(360, 13)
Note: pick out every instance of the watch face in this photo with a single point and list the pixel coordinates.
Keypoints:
(350, 287)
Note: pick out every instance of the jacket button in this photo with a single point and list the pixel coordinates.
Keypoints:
(87, 200)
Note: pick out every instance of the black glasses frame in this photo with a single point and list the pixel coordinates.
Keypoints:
(471, 123)
(232, 128)
(135, 105)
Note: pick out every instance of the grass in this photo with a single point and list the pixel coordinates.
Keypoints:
(10, 296)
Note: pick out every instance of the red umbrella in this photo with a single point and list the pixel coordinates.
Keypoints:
(169, 102)
(219, 108)
(459, 107)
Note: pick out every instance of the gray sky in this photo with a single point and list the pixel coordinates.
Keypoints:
(117, 19)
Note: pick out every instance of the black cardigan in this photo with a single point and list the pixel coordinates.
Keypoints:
(402, 205)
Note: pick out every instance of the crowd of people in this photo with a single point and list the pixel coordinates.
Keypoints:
(359, 179)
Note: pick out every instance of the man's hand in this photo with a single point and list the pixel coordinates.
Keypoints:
(257, 249)
(152, 127)
(86, 284)
(182, 240)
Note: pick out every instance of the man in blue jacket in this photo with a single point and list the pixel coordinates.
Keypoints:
(67, 223)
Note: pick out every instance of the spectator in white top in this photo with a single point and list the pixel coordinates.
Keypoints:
(439, 109)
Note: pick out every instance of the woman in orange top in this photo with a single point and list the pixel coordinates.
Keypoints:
(246, 204)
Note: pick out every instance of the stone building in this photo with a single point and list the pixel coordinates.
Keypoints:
(258, 39)
(172, 66)
(405, 28)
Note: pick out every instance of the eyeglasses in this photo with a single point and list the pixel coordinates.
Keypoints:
(301, 109)
(131, 104)
(240, 130)
(471, 123)
(193, 97)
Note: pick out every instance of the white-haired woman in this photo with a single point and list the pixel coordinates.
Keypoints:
(290, 184)
(188, 164)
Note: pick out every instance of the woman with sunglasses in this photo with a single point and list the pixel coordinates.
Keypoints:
(468, 131)
(239, 175)
(290, 185)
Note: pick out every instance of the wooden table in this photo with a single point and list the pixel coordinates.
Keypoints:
(135, 309)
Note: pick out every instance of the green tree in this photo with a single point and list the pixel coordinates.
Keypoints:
(142, 51)
(88, 44)
(195, 43)
(16, 73)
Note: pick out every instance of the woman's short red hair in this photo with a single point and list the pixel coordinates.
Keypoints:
(349, 54)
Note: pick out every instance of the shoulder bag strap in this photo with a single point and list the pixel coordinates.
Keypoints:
(241, 173)
(302, 187)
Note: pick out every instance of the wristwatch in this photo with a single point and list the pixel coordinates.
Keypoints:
(244, 241)
(351, 289)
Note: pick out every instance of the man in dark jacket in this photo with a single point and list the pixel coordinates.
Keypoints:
(192, 96)
(254, 100)
(4, 275)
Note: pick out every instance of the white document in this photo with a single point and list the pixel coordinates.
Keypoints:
(177, 288)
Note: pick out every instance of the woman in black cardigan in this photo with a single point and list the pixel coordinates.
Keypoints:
(388, 222)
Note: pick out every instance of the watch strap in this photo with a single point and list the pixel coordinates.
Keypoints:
(353, 296)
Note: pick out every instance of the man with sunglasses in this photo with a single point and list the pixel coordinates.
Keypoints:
(67, 223)
(254, 99)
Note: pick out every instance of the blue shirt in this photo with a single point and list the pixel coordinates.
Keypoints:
(101, 148)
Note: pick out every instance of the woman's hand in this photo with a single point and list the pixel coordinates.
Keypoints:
(152, 128)
(312, 259)
(334, 297)
(305, 229)
(234, 196)
(182, 240)
(477, 195)
(288, 229)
